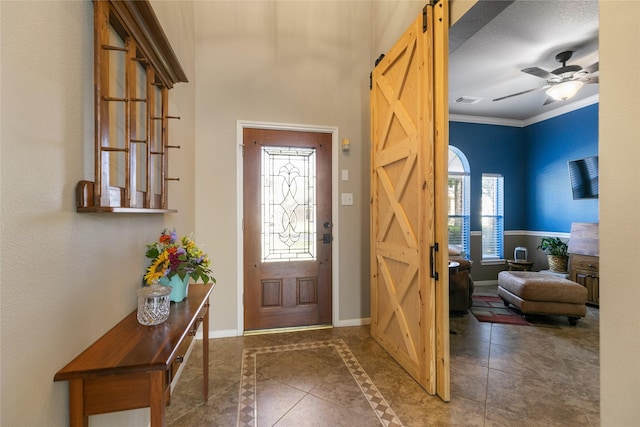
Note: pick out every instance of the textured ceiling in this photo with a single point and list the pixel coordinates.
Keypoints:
(497, 39)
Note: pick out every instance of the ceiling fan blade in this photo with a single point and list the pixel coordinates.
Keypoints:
(538, 72)
(592, 80)
(516, 94)
(593, 67)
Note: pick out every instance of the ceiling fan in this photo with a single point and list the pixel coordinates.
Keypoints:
(562, 83)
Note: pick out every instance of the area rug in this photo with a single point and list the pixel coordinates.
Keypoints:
(491, 309)
(247, 405)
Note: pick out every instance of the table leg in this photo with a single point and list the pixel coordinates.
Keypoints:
(76, 404)
(157, 398)
(205, 354)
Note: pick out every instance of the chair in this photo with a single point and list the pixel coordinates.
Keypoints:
(460, 286)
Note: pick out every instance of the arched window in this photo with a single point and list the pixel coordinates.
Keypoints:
(458, 203)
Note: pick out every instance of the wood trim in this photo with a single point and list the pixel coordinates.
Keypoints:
(441, 142)
(84, 201)
(426, 152)
(146, 29)
(164, 202)
(101, 86)
(144, 44)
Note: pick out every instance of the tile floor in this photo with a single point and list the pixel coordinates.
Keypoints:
(501, 375)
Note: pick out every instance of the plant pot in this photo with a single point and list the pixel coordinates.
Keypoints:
(558, 263)
(180, 287)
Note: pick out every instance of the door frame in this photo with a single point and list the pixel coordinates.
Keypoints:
(335, 285)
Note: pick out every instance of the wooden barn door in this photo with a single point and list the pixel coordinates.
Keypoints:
(409, 131)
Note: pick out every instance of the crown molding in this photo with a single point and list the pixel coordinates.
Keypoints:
(581, 103)
(585, 102)
(485, 120)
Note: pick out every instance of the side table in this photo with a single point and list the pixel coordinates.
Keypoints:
(453, 266)
(520, 265)
(131, 366)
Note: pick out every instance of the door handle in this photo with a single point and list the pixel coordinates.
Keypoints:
(432, 261)
(327, 238)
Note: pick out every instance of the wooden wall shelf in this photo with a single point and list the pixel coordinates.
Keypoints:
(85, 200)
(134, 68)
(107, 209)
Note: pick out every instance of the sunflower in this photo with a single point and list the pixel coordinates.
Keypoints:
(157, 268)
(171, 256)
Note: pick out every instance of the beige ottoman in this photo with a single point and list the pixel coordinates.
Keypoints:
(539, 293)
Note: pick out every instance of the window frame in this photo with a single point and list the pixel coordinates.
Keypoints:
(492, 236)
(466, 200)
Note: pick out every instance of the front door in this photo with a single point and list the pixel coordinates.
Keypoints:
(287, 228)
(409, 276)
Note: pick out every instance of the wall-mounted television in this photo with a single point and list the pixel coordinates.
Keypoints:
(583, 174)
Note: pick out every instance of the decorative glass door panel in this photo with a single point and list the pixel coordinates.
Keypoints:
(288, 204)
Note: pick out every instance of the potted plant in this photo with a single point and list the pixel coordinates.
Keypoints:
(556, 251)
(176, 260)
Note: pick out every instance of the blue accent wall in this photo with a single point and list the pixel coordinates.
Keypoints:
(533, 161)
(549, 145)
(494, 149)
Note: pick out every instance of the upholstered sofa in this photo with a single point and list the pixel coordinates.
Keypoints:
(460, 286)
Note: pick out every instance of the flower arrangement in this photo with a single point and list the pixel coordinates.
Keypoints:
(171, 256)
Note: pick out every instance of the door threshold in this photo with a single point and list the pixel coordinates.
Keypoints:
(282, 330)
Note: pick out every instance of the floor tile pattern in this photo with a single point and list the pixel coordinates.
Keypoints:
(247, 405)
(546, 374)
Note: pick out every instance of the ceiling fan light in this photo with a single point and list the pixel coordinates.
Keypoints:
(565, 90)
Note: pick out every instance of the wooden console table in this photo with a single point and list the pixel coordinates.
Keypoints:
(132, 366)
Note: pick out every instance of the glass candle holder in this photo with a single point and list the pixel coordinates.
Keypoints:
(153, 304)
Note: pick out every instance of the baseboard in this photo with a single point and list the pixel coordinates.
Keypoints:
(219, 334)
(234, 332)
(353, 322)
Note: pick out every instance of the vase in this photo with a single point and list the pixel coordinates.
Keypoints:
(153, 304)
(180, 287)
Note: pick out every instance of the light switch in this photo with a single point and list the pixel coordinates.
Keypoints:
(345, 174)
(347, 199)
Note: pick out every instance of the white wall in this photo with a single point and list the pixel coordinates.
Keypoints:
(619, 141)
(301, 63)
(389, 20)
(66, 278)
